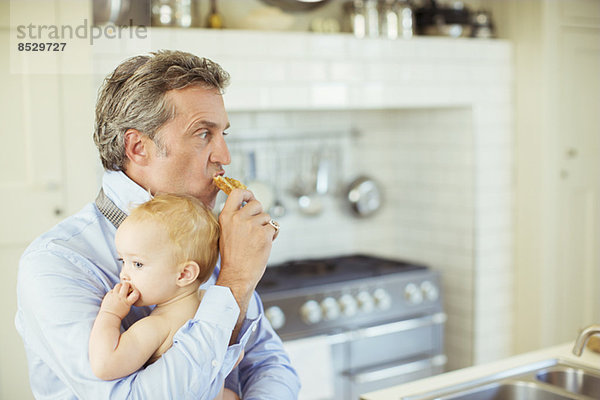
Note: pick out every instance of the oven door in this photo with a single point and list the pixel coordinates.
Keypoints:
(378, 357)
(385, 376)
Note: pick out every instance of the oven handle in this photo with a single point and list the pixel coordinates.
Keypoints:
(398, 370)
(386, 329)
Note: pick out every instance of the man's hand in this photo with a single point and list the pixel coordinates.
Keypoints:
(245, 245)
(119, 300)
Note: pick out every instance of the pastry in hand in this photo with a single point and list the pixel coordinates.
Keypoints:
(227, 184)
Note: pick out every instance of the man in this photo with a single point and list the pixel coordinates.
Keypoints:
(160, 127)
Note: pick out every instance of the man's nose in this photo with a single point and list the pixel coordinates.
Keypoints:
(220, 152)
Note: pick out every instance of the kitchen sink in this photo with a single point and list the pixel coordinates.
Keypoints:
(575, 380)
(552, 379)
(507, 391)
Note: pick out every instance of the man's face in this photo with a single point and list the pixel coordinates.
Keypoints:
(193, 148)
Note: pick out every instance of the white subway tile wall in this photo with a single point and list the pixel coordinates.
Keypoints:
(429, 117)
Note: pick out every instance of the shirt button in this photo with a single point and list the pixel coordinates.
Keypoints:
(254, 328)
(214, 363)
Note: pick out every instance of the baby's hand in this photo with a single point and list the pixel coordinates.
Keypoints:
(119, 300)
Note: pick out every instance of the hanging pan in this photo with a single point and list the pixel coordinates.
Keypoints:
(364, 196)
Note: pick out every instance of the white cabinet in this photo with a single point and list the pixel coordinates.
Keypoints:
(557, 263)
(47, 163)
(31, 154)
(31, 193)
(577, 287)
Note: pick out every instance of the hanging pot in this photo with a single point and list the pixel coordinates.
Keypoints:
(364, 196)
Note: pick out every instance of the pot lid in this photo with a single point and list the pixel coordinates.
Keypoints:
(296, 5)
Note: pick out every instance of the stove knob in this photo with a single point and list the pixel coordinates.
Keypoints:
(430, 291)
(330, 309)
(275, 316)
(365, 302)
(383, 300)
(413, 294)
(311, 312)
(348, 305)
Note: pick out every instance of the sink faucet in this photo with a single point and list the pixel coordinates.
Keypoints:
(583, 337)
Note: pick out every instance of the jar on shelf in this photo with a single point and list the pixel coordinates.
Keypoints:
(406, 19)
(172, 13)
(355, 16)
(388, 19)
(371, 11)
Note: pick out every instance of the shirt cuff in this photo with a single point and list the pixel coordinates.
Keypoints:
(218, 306)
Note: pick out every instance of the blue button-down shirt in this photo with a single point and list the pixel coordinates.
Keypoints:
(63, 276)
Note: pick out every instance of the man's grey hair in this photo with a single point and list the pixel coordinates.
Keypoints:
(133, 97)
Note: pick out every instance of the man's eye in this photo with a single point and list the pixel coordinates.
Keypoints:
(202, 134)
(138, 264)
(120, 260)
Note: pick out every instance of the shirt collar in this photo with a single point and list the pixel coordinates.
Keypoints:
(125, 193)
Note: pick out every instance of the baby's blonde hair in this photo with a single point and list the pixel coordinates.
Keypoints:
(192, 228)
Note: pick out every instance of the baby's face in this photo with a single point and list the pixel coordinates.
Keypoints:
(147, 259)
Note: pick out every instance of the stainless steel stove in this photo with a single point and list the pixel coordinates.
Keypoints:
(383, 318)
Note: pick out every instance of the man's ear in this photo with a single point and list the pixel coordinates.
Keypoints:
(188, 273)
(136, 147)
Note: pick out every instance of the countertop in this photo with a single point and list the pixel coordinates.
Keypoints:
(422, 386)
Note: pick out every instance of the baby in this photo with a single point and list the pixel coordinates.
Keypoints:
(168, 247)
